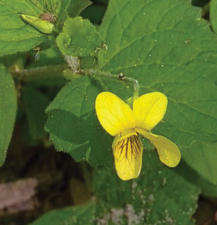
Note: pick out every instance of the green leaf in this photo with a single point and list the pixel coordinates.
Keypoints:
(213, 15)
(79, 38)
(158, 196)
(201, 158)
(73, 125)
(167, 47)
(109, 189)
(35, 104)
(8, 107)
(17, 35)
(79, 215)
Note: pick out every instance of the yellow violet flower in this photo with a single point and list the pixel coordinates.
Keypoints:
(119, 120)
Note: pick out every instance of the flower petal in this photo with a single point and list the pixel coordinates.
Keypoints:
(168, 151)
(113, 113)
(128, 156)
(149, 109)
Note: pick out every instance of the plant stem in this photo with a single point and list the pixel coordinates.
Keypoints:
(34, 74)
(122, 77)
(55, 72)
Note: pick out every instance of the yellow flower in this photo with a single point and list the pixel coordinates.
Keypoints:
(119, 120)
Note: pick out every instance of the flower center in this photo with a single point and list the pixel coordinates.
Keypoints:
(128, 148)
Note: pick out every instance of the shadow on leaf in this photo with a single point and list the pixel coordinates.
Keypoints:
(81, 137)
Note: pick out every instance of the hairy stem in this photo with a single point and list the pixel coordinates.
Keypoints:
(55, 72)
(122, 77)
(46, 72)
